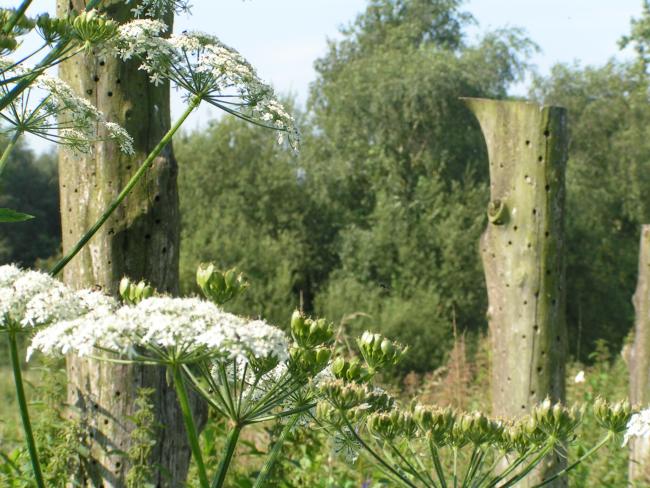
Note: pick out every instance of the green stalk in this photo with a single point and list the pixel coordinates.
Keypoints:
(126, 190)
(524, 472)
(605, 440)
(190, 426)
(273, 455)
(24, 413)
(8, 149)
(436, 462)
(231, 444)
(20, 11)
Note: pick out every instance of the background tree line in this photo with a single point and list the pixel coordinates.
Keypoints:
(376, 222)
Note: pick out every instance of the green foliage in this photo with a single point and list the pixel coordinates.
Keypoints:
(608, 174)
(29, 184)
(143, 441)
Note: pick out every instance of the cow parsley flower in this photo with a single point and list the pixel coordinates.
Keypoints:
(61, 116)
(204, 67)
(638, 426)
(580, 377)
(160, 8)
(18, 289)
(162, 329)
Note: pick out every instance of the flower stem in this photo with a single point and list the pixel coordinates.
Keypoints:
(24, 413)
(273, 455)
(126, 190)
(20, 11)
(231, 444)
(190, 426)
(604, 441)
(5, 155)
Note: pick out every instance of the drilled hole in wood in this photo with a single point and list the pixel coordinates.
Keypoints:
(515, 228)
(547, 233)
(534, 211)
(528, 143)
(543, 353)
(117, 393)
(553, 302)
(102, 63)
(76, 190)
(523, 336)
(523, 407)
(509, 378)
(147, 236)
(89, 91)
(547, 187)
(557, 338)
(96, 78)
(547, 133)
(164, 250)
(118, 465)
(510, 243)
(536, 293)
(539, 369)
(111, 232)
(105, 421)
(157, 221)
(69, 209)
(532, 392)
(540, 159)
(157, 198)
(129, 167)
(110, 94)
(525, 302)
(118, 81)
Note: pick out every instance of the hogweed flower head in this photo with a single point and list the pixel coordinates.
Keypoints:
(62, 117)
(207, 69)
(133, 293)
(159, 8)
(91, 28)
(613, 417)
(379, 352)
(310, 333)
(220, 286)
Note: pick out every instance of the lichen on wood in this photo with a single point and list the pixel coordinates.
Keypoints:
(522, 250)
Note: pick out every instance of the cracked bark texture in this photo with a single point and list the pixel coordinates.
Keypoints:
(522, 250)
(639, 465)
(140, 240)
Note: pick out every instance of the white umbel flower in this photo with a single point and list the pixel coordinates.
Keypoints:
(206, 68)
(580, 377)
(163, 329)
(638, 426)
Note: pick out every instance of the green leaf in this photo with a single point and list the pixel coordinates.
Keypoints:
(8, 215)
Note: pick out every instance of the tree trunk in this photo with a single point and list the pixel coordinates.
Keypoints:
(140, 240)
(523, 255)
(639, 467)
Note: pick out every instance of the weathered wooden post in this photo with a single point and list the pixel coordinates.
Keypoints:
(140, 240)
(523, 254)
(639, 466)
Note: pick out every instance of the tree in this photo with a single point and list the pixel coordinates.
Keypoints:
(607, 171)
(140, 241)
(30, 184)
(401, 161)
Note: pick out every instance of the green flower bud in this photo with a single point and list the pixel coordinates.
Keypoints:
(613, 417)
(134, 293)
(350, 370)
(309, 361)
(220, 287)
(93, 28)
(379, 352)
(310, 333)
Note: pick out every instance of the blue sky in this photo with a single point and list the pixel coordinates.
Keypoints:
(282, 38)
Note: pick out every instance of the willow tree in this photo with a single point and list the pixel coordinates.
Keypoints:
(523, 254)
(140, 240)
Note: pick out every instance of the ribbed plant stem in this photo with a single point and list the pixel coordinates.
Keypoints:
(126, 190)
(20, 11)
(273, 455)
(24, 413)
(190, 426)
(229, 450)
(5, 155)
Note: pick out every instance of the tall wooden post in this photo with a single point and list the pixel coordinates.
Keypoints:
(140, 240)
(523, 254)
(639, 467)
